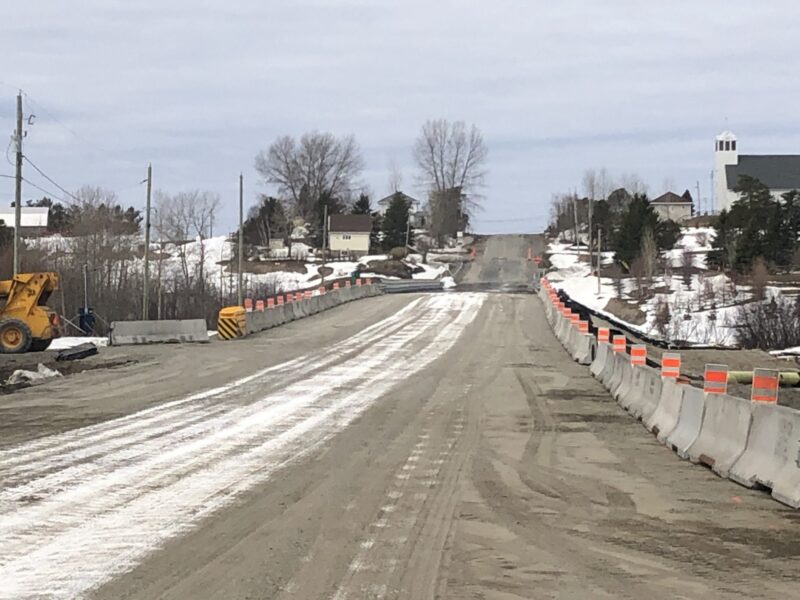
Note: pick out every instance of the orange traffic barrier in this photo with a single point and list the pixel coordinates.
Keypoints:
(619, 344)
(765, 386)
(336, 285)
(270, 303)
(289, 298)
(715, 379)
(583, 326)
(307, 294)
(280, 300)
(322, 290)
(260, 305)
(248, 304)
(603, 335)
(671, 365)
(639, 355)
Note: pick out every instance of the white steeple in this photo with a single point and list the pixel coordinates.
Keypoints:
(725, 153)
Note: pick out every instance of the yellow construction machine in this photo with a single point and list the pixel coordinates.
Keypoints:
(26, 323)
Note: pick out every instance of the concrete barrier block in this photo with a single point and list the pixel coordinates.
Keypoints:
(600, 359)
(621, 366)
(648, 393)
(689, 422)
(772, 449)
(584, 349)
(158, 332)
(625, 391)
(664, 418)
(723, 433)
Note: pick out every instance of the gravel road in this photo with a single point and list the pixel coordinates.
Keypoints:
(398, 447)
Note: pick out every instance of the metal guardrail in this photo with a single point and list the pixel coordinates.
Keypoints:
(400, 286)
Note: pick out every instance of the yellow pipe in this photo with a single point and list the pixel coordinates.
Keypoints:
(788, 378)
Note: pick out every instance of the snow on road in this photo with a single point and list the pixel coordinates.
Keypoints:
(80, 507)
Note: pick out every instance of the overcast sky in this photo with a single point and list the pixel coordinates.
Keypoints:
(198, 88)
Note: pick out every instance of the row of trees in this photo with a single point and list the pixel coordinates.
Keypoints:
(100, 249)
(320, 171)
(758, 226)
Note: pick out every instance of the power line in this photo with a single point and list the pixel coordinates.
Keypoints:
(48, 192)
(46, 176)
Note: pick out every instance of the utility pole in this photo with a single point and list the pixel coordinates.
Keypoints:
(324, 241)
(408, 230)
(145, 293)
(18, 135)
(591, 211)
(599, 258)
(239, 297)
(575, 214)
(698, 197)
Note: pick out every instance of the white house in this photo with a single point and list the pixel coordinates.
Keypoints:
(779, 172)
(672, 207)
(416, 210)
(349, 234)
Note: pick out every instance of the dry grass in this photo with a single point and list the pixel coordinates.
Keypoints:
(630, 313)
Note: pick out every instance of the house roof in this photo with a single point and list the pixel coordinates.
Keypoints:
(671, 198)
(32, 216)
(350, 223)
(776, 171)
(389, 198)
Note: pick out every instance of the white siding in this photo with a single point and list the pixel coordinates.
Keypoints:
(349, 242)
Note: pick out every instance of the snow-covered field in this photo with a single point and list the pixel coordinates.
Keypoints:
(701, 308)
(215, 252)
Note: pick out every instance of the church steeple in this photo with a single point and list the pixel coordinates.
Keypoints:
(725, 153)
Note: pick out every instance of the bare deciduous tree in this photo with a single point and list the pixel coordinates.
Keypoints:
(318, 165)
(649, 255)
(450, 156)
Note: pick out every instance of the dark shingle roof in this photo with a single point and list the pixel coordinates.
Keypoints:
(351, 223)
(776, 171)
(670, 198)
(390, 197)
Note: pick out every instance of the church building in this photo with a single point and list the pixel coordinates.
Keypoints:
(779, 172)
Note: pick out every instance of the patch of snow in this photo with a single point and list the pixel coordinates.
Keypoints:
(64, 343)
(448, 283)
(40, 374)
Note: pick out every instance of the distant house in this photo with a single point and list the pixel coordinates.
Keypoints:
(349, 234)
(416, 212)
(33, 222)
(672, 207)
(779, 172)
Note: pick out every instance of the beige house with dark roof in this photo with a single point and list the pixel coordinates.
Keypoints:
(349, 234)
(672, 207)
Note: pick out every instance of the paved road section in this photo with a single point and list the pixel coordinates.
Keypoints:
(450, 450)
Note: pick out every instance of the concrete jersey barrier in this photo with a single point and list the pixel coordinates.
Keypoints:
(690, 419)
(772, 447)
(665, 416)
(648, 393)
(600, 359)
(158, 332)
(723, 433)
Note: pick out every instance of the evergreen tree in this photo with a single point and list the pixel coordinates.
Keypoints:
(637, 219)
(395, 223)
(265, 221)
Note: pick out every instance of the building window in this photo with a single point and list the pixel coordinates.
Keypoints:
(733, 145)
(727, 145)
(346, 236)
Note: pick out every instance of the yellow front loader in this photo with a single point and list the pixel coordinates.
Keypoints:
(26, 323)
